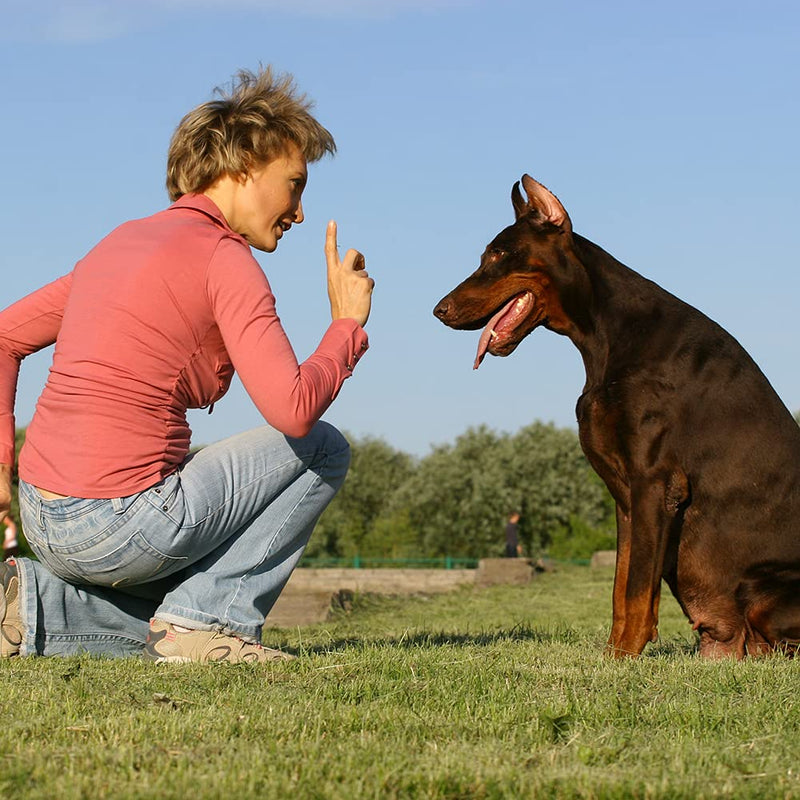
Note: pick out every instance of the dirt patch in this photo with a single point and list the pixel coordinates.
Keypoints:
(311, 594)
(297, 607)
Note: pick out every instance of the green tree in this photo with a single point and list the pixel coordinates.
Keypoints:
(456, 496)
(578, 540)
(460, 496)
(392, 535)
(346, 526)
(553, 483)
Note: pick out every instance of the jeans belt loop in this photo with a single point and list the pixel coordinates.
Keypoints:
(39, 509)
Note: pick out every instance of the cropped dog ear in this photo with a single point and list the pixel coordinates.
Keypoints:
(520, 206)
(544, 201)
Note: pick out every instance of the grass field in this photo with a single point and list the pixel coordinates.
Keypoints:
(493, 693)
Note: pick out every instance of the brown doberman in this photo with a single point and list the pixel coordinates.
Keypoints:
(699, 453)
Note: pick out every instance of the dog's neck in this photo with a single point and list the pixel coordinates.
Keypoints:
(616, 312)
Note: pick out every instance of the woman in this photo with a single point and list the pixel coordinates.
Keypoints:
(143, 547)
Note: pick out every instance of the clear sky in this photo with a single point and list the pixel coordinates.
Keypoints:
(670, 132)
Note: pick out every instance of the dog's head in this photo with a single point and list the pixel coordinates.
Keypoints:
(524, 276)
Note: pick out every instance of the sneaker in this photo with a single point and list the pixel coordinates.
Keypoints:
(165, 644)
(10, 623)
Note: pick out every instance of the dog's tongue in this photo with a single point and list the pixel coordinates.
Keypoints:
(488, 332)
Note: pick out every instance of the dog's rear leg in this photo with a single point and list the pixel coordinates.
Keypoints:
(642, 538)
(770, 595)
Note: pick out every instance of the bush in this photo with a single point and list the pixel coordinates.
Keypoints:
(578, 540)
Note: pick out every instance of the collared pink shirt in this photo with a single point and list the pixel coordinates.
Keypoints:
(154, 320)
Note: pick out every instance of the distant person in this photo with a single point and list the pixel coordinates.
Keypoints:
(10, 541)
(513, 545)
(143, 547)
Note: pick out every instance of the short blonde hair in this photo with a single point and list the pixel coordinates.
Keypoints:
(250, 124)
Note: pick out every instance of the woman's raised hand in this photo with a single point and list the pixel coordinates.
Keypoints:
(349, 285)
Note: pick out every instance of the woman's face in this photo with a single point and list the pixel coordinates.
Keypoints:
(268, 201)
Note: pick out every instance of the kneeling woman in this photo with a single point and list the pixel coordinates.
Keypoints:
(142, 547)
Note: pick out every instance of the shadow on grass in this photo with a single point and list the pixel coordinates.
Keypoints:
(676, 648)
(426, 639)
(558, 633)
(672, 648)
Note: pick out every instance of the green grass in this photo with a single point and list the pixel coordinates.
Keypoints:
(488, 693)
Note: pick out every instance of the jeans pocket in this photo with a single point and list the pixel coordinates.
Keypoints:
(115, 563)
(167, 498)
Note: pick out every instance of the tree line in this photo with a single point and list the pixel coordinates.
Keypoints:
(455, 501)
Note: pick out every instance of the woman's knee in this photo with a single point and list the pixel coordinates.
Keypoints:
(335, 450)
(335, 442)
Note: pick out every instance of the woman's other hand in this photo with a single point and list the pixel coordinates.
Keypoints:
(349, 285)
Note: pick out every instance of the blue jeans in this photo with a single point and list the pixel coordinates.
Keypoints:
(210, 547)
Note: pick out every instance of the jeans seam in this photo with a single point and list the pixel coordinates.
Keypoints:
(277, 533)
(233, 497)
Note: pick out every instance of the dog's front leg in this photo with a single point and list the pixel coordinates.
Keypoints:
(642, 537)
(620, 577)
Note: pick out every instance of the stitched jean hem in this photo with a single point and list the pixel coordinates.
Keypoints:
(196, 620)
(27, 607)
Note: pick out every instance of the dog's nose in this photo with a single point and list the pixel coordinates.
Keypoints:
(442, 309)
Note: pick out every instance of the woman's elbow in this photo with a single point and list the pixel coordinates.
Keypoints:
(295, 428)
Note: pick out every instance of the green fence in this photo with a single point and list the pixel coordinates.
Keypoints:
(364, 562)
(445, 562)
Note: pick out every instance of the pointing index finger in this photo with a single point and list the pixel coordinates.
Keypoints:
(330, 240)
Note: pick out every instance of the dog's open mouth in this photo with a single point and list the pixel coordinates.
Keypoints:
(499, 331)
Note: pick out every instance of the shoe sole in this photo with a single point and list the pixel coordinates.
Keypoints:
(169, 659)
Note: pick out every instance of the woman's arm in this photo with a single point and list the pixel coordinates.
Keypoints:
(25, 327)
(289, 395)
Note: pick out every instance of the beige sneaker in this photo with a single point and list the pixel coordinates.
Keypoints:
(165, 644)
(10, 623)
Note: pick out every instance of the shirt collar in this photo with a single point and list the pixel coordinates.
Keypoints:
(204, 204)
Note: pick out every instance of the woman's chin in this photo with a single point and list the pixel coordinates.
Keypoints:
(264, 245)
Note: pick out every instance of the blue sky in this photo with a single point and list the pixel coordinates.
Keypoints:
(669, 131)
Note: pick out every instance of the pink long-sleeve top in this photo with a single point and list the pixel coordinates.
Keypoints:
(154, 320)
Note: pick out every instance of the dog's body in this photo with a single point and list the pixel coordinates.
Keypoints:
(699, 453)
